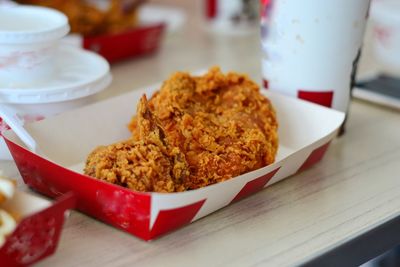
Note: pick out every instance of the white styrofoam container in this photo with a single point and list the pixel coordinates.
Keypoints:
(28, 41)
(79, 75)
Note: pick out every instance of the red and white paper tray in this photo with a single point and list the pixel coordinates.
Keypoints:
(37, 234)
(305, 132)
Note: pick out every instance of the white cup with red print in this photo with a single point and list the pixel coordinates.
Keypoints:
(311, 48)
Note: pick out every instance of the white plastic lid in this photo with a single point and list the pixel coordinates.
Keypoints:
(386, 10)
(31, 24)
(80, 73)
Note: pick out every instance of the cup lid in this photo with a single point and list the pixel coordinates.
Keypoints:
(20, 24)
(79, 73)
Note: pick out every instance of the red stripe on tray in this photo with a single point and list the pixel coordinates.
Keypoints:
(168, 220)
(314, 157)
(323, 98)
(121, 207)
(254, 185)
(211, 8)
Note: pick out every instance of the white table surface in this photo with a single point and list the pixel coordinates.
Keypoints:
(354, 189)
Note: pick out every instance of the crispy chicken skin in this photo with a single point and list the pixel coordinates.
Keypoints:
(195, 131)
(221, 123)
(149, 164)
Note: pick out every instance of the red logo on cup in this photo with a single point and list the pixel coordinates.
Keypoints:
(323, 98)
(265, 8)
(211, 8)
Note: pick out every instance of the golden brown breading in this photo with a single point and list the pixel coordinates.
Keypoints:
(222, 124)
(149, 164)
(194, 132)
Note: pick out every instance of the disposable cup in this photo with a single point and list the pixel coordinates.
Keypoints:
(311, 48)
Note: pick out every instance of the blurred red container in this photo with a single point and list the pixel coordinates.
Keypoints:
(36, 236)
(139, 41)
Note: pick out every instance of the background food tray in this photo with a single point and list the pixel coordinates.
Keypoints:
(36, 236)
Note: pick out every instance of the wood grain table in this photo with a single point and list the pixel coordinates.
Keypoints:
(341, 212)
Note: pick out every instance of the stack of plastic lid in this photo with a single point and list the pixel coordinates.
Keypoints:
(39, 77)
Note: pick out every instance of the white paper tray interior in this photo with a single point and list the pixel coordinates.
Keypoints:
(67, 139)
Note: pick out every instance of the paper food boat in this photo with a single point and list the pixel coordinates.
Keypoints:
(305, 131)
(36, 236)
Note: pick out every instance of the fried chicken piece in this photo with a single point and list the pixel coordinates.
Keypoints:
(194, 132)
(221, 123)
(146, 164)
